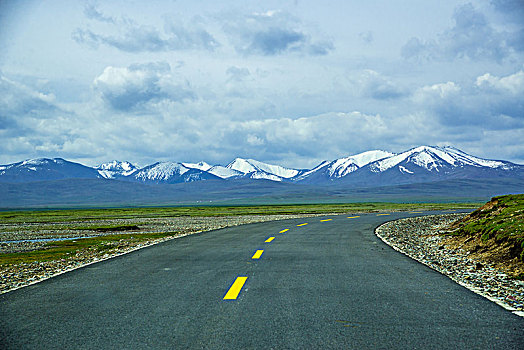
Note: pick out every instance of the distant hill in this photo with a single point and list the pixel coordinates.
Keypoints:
(115, 193)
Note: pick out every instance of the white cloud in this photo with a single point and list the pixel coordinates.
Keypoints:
(128, 88)
(258, 82)
(436, 92)
(374, 85)
(513, 84)
(489, 102)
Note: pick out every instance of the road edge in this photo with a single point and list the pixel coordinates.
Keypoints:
(460, 282)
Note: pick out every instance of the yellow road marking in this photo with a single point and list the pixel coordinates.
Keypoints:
(382, 214)
(326, 220)
(353, 217)
(284, 230)
(257, 254)
(304, 224)
(269, 239)
(416, 212)
(235, 289)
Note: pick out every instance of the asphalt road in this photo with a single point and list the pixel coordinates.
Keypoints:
(327, 284)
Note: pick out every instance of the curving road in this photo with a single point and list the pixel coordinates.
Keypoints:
(328, 284)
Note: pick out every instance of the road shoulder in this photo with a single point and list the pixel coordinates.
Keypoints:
(419, 238)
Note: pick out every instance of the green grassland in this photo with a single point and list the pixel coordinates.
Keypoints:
(80, 215)
(129, 228)
(58, 250)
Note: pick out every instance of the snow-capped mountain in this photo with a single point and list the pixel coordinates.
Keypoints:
(367, 169)
(171, 172)
(257, 170)
(224, 173)
(433, 158)
(43, 169)
(342, 167)
(431, 163)
(115, 169)
(199, 166)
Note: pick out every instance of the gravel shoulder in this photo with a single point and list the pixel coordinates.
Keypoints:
(422, 239)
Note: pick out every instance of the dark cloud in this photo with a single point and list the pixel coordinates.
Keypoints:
(274, 41)
(374, 85)
(131, 88)
(30, 121)
(512, 9)
(142, 38)
(471, 37)
(19, 101)
(273, 33)
(92, 12)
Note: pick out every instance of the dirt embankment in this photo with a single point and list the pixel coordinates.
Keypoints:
(493, 234)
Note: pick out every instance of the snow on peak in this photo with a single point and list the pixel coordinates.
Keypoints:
(111, 169)
(367, 157)
(422, 156)
(42, 161)
(472, 160)
(343, 166)
(261, 175)
(241, 165)
(199, 166)
(223, 172)
(404, 170)
(247, 166)
(434, 158)
(161, 171)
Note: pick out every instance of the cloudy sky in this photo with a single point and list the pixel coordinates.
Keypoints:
(287, 82)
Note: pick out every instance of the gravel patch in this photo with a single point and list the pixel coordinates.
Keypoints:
(422, 239)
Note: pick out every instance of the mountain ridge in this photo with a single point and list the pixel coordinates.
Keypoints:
(366, 169)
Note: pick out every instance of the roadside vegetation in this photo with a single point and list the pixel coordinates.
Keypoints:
(494, 233)
(58, 250)
(83, 215)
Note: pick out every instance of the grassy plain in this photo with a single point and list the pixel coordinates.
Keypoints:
(106, 229)
(57, 250)
(82, 215)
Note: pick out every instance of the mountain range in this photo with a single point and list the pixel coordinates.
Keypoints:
(367, 169)
(425, 173)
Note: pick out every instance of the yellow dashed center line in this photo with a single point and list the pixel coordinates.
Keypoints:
(257, 254)
(416, 212)
(235, 289)
(284, 230)
(353, 217)
(304, 224)
(269, 239)
(382, 214)
(325, 220)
